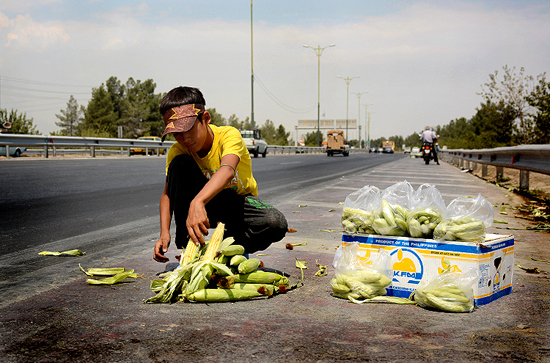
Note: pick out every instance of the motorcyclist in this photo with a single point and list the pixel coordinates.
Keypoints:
(430, 137)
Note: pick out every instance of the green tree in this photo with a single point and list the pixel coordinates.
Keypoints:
(269, 133)
(216, 118)
(492, 126)
(139, 109)
(20, 124)
(540, 99)
(311, 138)
(281, 136)
(513, 90)
(70, 119)
(234, 121)
(100, 117)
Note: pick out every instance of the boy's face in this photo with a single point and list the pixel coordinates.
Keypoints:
(196, 139)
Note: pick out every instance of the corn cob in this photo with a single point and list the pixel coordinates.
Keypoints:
(190, 252)
(113, 279)
(462, 229)
(447, 298)
(264, 289)
(262, 277)
(233, 250)
(236, 260)
(214, 243)
(249, 266)
(222, 295)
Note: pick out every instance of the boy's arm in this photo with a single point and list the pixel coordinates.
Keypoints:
(161, 247)
(197, 219)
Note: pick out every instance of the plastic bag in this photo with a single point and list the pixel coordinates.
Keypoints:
(466, 220)
(359, 210)
(358, 279)
(394, 209)
(427, 211)
(451, 291)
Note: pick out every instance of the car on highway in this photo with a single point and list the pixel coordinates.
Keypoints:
(15, 151)
(141, 149)
(415, 151)
(387, 150)
(373, 149)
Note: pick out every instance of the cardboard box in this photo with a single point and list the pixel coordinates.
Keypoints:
(414, 259)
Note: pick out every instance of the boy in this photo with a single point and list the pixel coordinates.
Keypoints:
(209, 180)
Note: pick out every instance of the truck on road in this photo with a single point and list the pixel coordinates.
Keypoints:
(336, 143)
(388, 144)
(254, 142)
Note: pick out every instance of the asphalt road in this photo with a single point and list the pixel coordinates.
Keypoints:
(48, 200)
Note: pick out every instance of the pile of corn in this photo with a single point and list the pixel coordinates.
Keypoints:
(395, 220)
(217, 272)
(467, 229)
(449, 298)
(357, 284)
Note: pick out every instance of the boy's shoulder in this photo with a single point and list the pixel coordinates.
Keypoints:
(225, 130)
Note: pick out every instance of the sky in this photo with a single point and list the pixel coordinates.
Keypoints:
(411, 63)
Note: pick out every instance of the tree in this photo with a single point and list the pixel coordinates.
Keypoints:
(215, 117)
(20, 124)
(311, 138)
(540, 99)
(269, 133)
(513, 90)
(234, 121)
(100, 117)
(139, 109)
(492, 125)
(70, 119)
(281, 136)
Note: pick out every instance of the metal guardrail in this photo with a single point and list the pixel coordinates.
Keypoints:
(61, 145)
(525, 158)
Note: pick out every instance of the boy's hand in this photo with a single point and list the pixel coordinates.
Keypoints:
(197, 222)
(161, 247)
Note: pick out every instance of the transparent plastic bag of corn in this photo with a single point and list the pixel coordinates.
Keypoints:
(360, 277)
(451, 291)
(359, 210)
(466, 219)
(427, 211)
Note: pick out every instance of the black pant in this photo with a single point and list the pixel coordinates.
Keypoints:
(253, 223)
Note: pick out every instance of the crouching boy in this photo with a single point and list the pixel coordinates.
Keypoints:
(209, 180)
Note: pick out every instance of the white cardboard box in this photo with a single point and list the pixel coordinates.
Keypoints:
(414, 259)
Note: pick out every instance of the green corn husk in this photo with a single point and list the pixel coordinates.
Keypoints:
(233, 250)
(465, 229)
(113, 279)
(262, 277)
(64, 253)
(249, 266)
(422, 222)
(236, 260)
(103, 271)
(448, 298)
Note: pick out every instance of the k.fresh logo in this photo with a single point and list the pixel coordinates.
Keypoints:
(407, 266)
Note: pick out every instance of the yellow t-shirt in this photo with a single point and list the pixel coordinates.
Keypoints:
(227, 140)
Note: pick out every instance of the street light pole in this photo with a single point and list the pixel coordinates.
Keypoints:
(367, 124)
(319, 52)
(359, 114)
(348, 80)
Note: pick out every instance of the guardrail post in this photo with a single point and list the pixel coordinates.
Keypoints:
(92, 151)
(7, 151)
(524, 179)
(46, 151)
(483, 170)
(500, 173)
(129, 153)
(54, 151)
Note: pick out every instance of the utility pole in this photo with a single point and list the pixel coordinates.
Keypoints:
(252, 65)
(348, 80)
(359, 114)
(318, 52)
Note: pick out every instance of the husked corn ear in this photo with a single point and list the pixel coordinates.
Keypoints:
(249, 266)
(222, 295)
(233, 250)
(236, 260)
(190, 252)
(217, 238)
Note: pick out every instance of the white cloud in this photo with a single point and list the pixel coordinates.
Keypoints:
(24, 32)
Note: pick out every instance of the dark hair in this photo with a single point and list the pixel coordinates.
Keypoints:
(180, 96)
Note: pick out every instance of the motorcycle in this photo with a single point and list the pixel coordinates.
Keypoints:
(427, 152)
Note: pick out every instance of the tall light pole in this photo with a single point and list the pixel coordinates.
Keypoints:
(359, 114)
(348, 80)
(367, 124)
(319, 52)
(251, 66)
